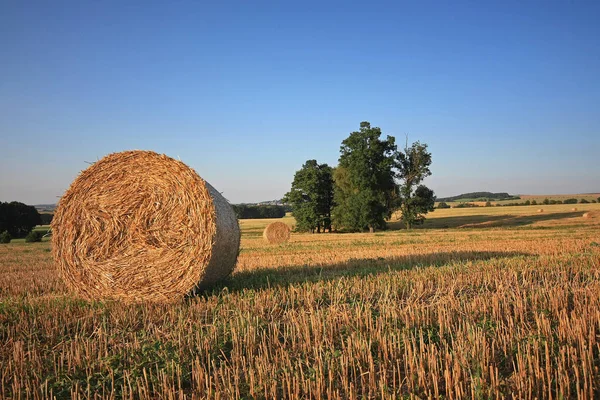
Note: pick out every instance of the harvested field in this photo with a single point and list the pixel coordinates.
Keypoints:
(507, 305)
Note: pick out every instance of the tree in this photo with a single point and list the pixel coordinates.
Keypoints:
(311, 197)
(364, 180)
(325, 199)
(414, 200)
(443, 205)
(18, 219)
(347, 212)
(248, 211)
(46, 218)
(415, 207)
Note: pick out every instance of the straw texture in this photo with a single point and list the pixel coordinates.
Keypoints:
(140, 226)
(277, 232)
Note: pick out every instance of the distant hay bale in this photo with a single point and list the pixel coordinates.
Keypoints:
(588, 215)
(140, 226)
(540, 210)
(574, 209)
(277, 232)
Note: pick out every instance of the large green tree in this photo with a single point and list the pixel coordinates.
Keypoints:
(364, 180)
(414, 199)
(311, 197)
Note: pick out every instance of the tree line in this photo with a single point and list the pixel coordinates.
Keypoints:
(17, 219)
(372, 180)
(247, 211)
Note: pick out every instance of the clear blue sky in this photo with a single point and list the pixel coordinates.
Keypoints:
(506, 94)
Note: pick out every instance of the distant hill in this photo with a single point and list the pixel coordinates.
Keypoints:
(45, 207)
(265, 203)
(480, 196)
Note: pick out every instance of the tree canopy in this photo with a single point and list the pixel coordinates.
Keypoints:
(18, 219)
(364, 180)
(247, 211)
(414, 200)
(311, 197)
(372, 180)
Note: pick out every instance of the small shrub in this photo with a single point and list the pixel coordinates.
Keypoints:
(488, 203)
(34, 236)
(443, 205)
(5, 237)
(583, 201)
(533, 203)
(570, 201)
(546, 201)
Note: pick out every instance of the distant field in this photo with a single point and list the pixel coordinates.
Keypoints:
(40, 228)
(525, 197)
(508, 216)
(562, 197)
(495, 302)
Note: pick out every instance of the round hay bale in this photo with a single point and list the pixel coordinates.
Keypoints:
(141, 226)
(276, 232)
(540, 210)
(574, 209)
(587, 215)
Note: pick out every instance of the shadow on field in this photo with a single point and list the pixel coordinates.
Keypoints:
(284, 276)
(488, 221)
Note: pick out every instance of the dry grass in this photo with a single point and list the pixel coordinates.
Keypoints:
(277, 233)
(506, 311)
(139, 226)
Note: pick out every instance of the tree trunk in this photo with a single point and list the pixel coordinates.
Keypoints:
(371, 230)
